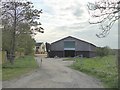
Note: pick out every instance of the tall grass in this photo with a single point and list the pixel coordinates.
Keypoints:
(21, 66)
(103, 68)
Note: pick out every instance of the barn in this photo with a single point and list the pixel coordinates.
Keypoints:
(71, 47)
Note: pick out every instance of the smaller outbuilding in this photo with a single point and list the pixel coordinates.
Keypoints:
(71, 47)
(39, 48)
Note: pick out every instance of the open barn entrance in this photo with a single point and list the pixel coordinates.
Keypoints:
(69, 53)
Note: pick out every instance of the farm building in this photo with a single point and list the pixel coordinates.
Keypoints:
(70, 47)
(39, 48)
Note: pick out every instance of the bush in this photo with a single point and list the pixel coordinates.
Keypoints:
(103, 51)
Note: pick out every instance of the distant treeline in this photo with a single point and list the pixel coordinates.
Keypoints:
(104, 51)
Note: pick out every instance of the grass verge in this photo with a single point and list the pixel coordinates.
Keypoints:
(103, 68)
(21, 66)
(0, 72)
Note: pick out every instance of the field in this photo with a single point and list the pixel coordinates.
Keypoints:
(104, 69)
(21, 66)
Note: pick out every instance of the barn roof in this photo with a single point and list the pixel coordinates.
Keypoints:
(73, 38)
(38, 44)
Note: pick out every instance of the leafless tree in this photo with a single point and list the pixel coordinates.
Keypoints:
(105, 13)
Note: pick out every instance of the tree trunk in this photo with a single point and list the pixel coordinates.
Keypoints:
(12, 56)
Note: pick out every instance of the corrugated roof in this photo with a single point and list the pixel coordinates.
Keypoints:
(73, 38)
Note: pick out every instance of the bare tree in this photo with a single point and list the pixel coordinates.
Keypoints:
(104, 13)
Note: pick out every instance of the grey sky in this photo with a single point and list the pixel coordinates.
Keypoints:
(62, 18)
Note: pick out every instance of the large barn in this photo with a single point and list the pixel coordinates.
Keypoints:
(71, 47)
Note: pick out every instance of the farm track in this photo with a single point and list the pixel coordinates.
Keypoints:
(53, 73)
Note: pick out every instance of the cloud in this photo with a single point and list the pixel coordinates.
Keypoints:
(62, 12)
(89, 34)
(62, 18)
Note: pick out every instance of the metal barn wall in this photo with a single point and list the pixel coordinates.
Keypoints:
(84, 53)
(79, 45)
(92, 54)
(56, 53)
(77, 53)
(92, 48)
(58, 46)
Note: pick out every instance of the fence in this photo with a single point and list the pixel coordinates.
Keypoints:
(3, 57)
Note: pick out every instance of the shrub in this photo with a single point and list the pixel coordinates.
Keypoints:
(103, 51)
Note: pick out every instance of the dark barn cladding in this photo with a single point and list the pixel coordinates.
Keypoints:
(71, 47)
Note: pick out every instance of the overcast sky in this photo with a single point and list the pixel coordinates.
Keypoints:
(62, 18)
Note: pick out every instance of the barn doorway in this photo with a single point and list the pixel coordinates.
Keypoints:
(69, 53)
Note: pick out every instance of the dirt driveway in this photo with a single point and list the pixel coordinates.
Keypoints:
(54, 73)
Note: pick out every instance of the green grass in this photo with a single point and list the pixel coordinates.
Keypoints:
(103, 68)
(0, 72)
(20, 67)
(68, 59)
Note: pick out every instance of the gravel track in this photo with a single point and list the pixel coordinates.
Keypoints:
(53, 73)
